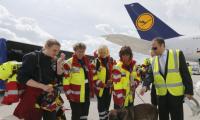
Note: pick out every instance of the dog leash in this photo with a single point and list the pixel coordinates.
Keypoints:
(140, 97)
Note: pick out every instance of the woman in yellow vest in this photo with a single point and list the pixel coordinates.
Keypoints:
(77, 82)
(125, 79)
(102, 80)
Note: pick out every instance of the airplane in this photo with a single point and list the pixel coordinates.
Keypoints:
(150, 26)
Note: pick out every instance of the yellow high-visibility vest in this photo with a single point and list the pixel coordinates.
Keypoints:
(8, 72)
(100, 77)
(125, 78)
(7, 68)
(173, 82)
(74, 82)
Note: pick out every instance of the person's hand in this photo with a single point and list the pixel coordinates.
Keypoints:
(109, 83)
(135, 84)
(62, 58)
(143, 90)
(60, 62)
(189, 96)
(47, 88)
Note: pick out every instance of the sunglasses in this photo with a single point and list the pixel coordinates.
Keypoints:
(154, 48)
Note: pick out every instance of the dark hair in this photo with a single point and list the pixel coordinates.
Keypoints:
(51, 42)
(79, 46)
(160, 41)
(125, 50)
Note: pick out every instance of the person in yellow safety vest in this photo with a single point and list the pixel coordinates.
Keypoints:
(147, 61)
(13, 90)
(125, 79)
(189, 68)
(102, 80)
(78, 83)
(142, 69)
(171, 78)
(146, 66)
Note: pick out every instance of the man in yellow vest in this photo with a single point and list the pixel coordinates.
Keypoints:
(125, 79)
(78, 83)
(172, 80)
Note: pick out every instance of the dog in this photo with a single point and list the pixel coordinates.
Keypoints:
(138, 112)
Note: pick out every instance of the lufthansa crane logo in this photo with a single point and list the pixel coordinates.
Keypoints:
(145, 22)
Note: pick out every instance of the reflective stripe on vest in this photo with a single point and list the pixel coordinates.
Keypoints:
(72, 92)
(118, 95)
(173, 82)
(11, 92)
(103, 113)
(168, 85)
(84, 117)
(116, 76)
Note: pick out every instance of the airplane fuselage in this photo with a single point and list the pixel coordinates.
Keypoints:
(189, 45)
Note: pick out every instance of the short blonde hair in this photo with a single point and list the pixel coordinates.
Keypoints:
(103, 48)
(79, 46)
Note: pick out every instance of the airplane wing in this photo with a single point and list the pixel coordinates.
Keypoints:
(137, 45)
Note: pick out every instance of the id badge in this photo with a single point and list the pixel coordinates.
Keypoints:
(75, 69)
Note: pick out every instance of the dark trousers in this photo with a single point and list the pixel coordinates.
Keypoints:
(49, 115)
(104, 104)
(170, 105)
(80, 110)
(153, 95)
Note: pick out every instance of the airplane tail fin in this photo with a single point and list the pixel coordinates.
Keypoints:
(147, 24)
(3, 50)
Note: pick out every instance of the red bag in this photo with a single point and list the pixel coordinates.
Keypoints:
(27, 104)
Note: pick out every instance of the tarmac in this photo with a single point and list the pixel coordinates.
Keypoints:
(7, 110)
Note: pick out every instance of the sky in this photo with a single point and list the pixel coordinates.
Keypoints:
(71, 21)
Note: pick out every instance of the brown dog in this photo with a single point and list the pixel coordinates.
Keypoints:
(138, 112)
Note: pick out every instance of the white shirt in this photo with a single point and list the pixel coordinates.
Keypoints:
(162, 61)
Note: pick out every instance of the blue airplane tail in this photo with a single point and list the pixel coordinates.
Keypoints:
(147, 24)
(3, 58)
